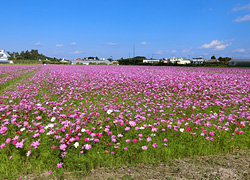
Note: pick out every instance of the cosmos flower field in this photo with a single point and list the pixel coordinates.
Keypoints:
(77, 118)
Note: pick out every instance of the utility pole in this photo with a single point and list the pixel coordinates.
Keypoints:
(153, 56)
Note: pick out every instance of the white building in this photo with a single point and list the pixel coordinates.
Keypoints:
(4, 56)
(64, 61)
(174, 60)
(184, 61)
(198, 60)
(151, 60)
(181, 60)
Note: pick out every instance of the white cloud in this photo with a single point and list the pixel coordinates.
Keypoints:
(37, 44)
(145, 43)
(77, 52)
(241, 50)
(185, 50)
(159, 52)
(110, 43)
(244, 18)
(73, 43)
(222, 46)
(212, 44)
(59, 45)
(171, 51)
(239, 8)
(210, 9)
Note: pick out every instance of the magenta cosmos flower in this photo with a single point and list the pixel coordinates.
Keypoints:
(154, 145)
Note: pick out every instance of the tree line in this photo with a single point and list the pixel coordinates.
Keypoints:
(30, 55)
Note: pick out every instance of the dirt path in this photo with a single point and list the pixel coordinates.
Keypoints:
(224, 167)
(217, 167)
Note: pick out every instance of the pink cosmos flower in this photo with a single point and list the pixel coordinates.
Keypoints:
(35, 135)
(28, 153)
(2, 146)
(63, 147)
(3, 129)
(135, 140)
(76, 138)
(211, 134)
(127, 140)
(35, 144)
(59, 165)
(112, 152)
(132, 123)
(8, 140)
(38, 117)
(88, 146)
(144, 147)
(154, 145)
(19, 145)
(125, 148)
(149, 139)
(25, 124)
(127, 128)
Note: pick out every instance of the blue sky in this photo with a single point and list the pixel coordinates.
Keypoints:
(159, 28)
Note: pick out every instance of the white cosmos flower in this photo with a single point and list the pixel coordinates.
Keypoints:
(83, 130)
(51, 125)
(142, 128)
(76, 144)
(182, 129)
(53, 119)
(22, 129)
(109, 111)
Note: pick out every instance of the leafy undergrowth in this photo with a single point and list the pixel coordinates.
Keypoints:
(65, 119)
(235, 165)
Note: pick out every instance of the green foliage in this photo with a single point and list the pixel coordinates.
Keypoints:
(138, 60)
(29, 55)
(224, 60)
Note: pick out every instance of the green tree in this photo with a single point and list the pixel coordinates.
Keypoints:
(213, 57)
